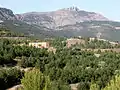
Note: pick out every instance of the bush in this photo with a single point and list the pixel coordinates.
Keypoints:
(94, 87)
(35, 80)
(59, 85)
(83, 86)
(9, 78)
(114, 84)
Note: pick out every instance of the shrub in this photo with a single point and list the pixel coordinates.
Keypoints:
(9, 78)
(94, 87)
(35, 80)
(114, 84)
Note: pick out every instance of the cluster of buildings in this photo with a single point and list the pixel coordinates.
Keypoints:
(43, 45)
(69, 42)
(39, 44)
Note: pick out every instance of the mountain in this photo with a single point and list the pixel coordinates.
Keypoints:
(6, 14)
(103, 29)
(61, 17)
(68, 22)
(8, 21)
(28, 30)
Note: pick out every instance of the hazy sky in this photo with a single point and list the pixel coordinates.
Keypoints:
(109, 8)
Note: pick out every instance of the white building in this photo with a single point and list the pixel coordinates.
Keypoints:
(39, 44)
(113, 43)
(92, 39)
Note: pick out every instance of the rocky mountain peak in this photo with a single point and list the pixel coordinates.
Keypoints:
(73, 8)
(6, 14)
(54, 19)
(61, 17)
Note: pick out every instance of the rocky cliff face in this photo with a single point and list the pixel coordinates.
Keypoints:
(6, 14)
(54, 19)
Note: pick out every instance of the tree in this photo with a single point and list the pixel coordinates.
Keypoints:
(60, 85)
(35, 80)
(114, 84)
(9, 77)
(94, 87)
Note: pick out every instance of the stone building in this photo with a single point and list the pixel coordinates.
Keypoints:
(74, 41)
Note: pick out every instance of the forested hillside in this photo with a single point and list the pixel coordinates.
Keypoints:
(60, 69)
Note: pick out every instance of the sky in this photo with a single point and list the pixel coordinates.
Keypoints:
(108, 8)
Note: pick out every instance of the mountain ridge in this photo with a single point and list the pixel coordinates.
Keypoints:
(6, 14)
(61, 17)
(69, 22)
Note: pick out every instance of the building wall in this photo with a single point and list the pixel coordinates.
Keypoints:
(73, 41)
(39, 44)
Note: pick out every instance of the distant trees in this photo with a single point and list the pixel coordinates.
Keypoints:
(58, 42)
(4, 32)
(97, 44)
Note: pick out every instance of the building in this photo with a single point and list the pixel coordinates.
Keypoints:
(74, 41)
(91, 39)
(102, 40)
(114, 43)
(117, 28)
(39, 44)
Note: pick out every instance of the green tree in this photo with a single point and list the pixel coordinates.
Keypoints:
(94, 87)
(9, 77)
(59, 85)
(35, 80)
(114, 84)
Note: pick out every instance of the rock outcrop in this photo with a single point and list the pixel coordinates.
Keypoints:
(6, 14)
(61, 17)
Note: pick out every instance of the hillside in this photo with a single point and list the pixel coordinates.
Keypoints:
(26, 29)
(103, 29)
(6, 14)
(68, 22)
(61, 17)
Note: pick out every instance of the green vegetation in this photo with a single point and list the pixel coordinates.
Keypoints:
(59, 70)
(58, 42)
(9, 77)
(6, 52)
(97, 44)
(26, 29)
(114, 84)
(7, 33)
(35, 80)
(107, 28)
